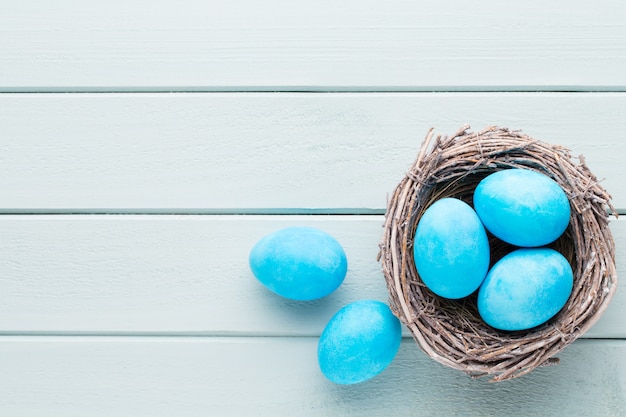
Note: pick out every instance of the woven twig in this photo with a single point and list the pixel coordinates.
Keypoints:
(451, 331)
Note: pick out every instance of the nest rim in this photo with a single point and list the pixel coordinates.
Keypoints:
(451, 331)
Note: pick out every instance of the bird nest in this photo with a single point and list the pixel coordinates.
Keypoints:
(451, 331)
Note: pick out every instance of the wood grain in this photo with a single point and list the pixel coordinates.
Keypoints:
(266, 152)
(318, 45)
(280, 377)
(185, 275)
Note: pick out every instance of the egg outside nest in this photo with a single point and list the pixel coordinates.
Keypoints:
(452, 331)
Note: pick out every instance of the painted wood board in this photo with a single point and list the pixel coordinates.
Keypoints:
(316, 45)
(185, 275)
(220, 152)
(105, 376)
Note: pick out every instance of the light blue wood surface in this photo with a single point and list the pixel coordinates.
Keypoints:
(193, 45)
(103, 376)
(155, 274)
(146, 146)
(208, 152)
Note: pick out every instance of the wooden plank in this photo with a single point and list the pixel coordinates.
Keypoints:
(318, 45)
(185, 275)
(262, 152)
(280, 377)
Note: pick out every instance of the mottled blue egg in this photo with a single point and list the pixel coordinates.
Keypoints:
(525, 288)
(451, 249)
(522, 207)
(359, 342)
(300, 263)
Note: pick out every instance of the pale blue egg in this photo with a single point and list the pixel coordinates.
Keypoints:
(522, 207)
(451, 249)
(525, 288)
(300, 263)
(359, 342)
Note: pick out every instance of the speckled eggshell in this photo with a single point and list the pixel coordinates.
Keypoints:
(299, 263)
(522, 207)
(451, 249)
(525, 288)
(359, 342)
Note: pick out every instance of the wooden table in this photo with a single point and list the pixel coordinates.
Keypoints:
(146, 146)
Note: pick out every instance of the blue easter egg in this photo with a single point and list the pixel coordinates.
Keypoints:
(300, 263)
(451, 249)
(359, 342)
(522, 207)
(525, 288)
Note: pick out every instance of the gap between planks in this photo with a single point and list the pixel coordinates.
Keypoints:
(209, 212)
(317, 89)
(4, 336)
(195, 212)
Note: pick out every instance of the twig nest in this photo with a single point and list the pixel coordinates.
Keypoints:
(451, 331)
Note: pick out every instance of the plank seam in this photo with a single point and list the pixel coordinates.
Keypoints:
(314, 90)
